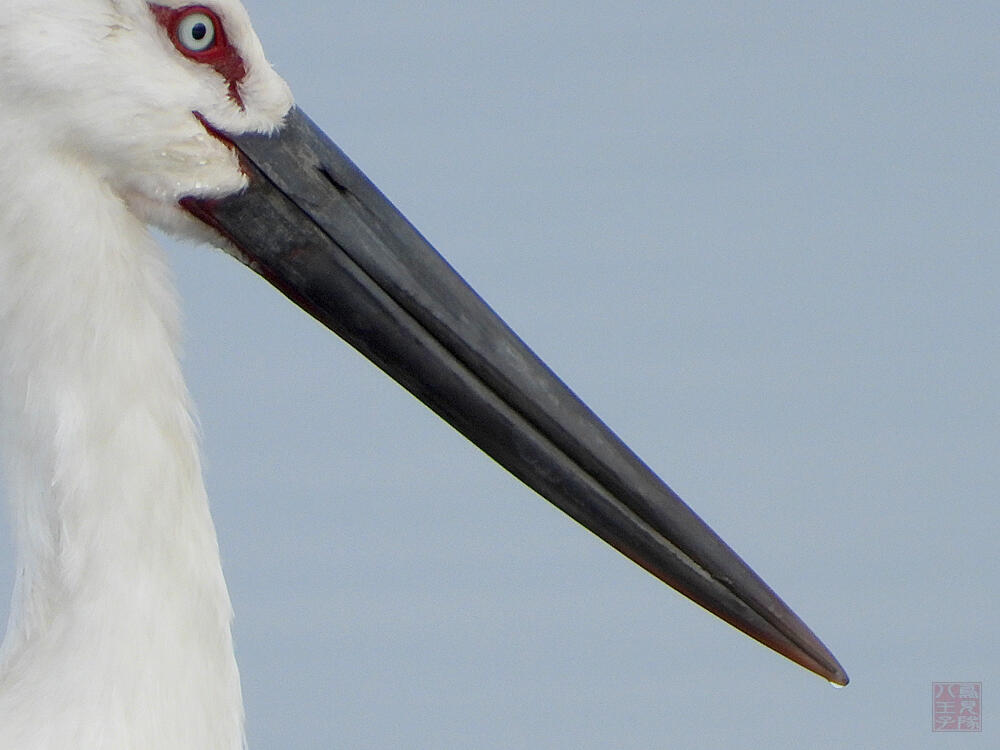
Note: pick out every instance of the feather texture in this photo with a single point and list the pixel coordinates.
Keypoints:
(119, 635)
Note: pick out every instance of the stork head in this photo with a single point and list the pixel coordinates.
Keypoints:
(135, 90)
(172, 105)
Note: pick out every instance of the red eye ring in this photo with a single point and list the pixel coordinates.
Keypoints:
(217, 52)
(176, 22)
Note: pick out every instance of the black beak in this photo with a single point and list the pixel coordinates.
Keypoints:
(315, 227)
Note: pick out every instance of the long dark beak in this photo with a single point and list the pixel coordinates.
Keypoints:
(315, 227)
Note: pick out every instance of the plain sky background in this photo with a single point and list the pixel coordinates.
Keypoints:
(762, 241)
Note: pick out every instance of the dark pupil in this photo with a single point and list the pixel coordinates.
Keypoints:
(199, 31)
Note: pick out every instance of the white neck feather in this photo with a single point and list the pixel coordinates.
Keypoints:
(119, 634)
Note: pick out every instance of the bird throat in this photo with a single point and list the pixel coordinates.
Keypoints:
(120, 619)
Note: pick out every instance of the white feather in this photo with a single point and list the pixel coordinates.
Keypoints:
(119, 635)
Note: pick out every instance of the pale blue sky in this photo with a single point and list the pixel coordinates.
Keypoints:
(762, 241)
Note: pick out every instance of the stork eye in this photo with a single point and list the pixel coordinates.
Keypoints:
(196, 32)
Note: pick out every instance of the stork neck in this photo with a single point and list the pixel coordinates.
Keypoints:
(120, 619)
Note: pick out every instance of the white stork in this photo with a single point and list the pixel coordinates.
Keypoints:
(119, 114)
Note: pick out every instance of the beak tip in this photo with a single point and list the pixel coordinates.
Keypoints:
(830, 668)
(839, 678)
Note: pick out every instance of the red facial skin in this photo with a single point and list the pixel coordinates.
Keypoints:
(221, 55)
